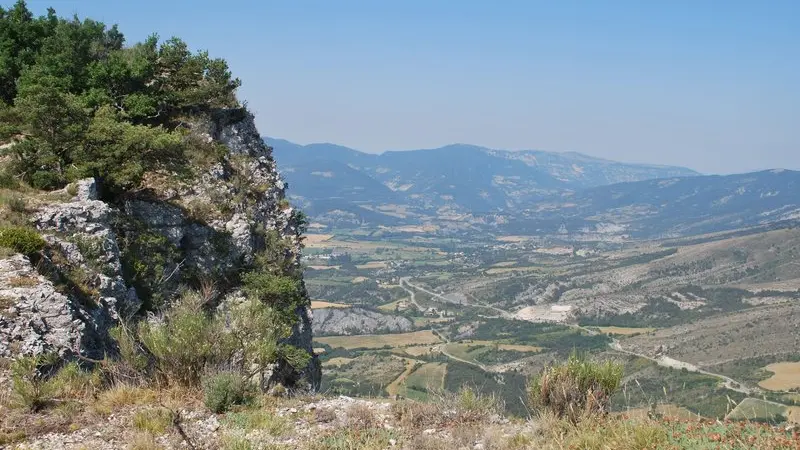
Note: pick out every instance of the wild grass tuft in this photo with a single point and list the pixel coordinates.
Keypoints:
(577, 388)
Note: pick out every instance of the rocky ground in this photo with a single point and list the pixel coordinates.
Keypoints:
(141, 419)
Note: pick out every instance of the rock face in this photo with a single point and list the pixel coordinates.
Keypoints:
(41, 311)
(346, 321)
(205, 229)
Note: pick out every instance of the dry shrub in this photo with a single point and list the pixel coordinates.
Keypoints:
(576, 389)
(324, 415)
(361, 417)
(413, 414)
(467, 406)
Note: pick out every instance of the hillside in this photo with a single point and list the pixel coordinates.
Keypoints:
(673, 206)
(462, 188)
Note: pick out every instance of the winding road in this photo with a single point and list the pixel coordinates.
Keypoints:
(663, 361)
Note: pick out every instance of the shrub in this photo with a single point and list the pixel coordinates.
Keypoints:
(184, 342)
(575, 389)
(72, 381)
(361, 417)
(21, 240)
(8, 181)
(29, 385)
(14, 203)
(223, 390)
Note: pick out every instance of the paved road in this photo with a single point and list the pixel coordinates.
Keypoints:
(410, 293)
(503, 313)
(672, 363)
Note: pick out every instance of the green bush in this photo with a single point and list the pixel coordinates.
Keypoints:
(225, 389)
(29, 386)
(7, 180)
(21, 240)
(576, 389)
(185, 342)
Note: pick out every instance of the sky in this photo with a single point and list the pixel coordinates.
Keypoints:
(707, 84)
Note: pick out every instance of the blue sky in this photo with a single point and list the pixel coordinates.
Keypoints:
(712, 85)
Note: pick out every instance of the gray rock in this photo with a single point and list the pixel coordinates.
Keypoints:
(347, 321)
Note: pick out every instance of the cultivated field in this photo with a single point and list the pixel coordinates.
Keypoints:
(786, 375)
(427, 377)
(624, 331)
(372, 265)
(320, 304)
(313, 239)
(424, 337)
(757, 409)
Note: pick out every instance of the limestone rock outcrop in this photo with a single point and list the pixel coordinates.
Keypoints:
(212, 225)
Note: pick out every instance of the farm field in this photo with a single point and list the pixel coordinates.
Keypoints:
(338, 361)
(372, 265)
(427, 377)
(319, 304)
(758, 410)
(375, 341)
(472, 351)
(501, 270)
(624, 331)
(786, 376)
(314, 239)
(395, 386)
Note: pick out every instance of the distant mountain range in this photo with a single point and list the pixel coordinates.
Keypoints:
(468, 177)
(535, 192)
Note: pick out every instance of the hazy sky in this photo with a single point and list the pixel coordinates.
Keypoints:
(712, 85)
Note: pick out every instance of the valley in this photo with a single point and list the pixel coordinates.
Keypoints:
(697, 321)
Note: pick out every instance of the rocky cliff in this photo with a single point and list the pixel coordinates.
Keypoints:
(113, 258)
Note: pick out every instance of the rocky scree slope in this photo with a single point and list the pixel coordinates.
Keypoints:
(107, 260)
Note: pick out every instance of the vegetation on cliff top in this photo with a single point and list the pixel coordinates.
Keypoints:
(82, 104)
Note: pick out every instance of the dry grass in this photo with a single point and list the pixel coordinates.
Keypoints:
(144, 441)
(121, 396)
(424, 337)
(786, 375)
(22, 281)
(153, 420)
